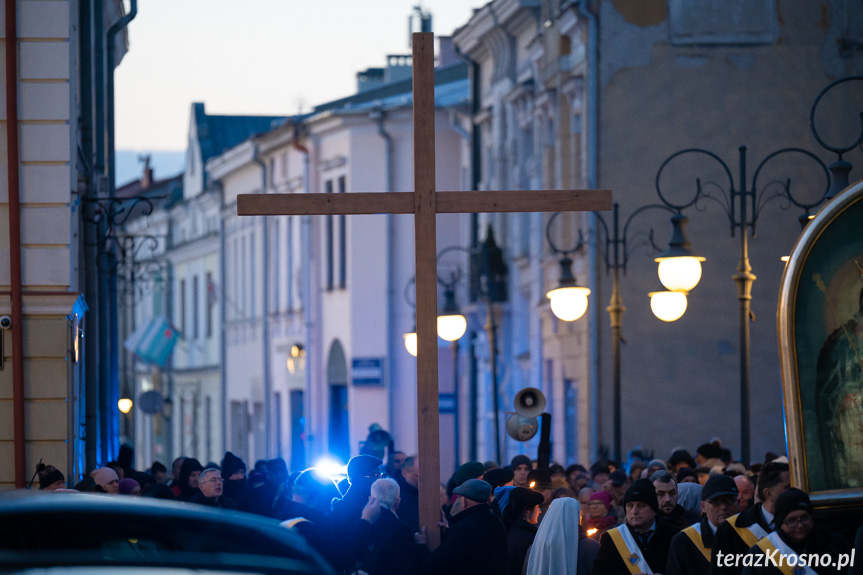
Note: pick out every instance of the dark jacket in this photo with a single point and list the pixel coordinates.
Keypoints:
(475, 544)
(409, 507)
(519, 539)
(729, 542)
(655, 551)
(392, 550)
(679, 517)
(221, 502)
(350, 507)
(820, 542)
(684, 558)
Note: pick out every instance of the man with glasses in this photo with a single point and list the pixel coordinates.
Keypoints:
(690, 550)
(210, 487)
(798, 540)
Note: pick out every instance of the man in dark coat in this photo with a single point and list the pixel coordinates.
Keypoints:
(742, 531)
(670, 511)
(408, 480)
(210, 488)
(363, 470)
(691, 548)
(641, 541)
(520, 518)
(392, 550)
(475, 543)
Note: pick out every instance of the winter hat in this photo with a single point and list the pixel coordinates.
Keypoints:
(642, 490)
(526, 497)
(363, 466)
(602, 496)
(681, 456)
(709, 451)
(501, 496)
(48, 476)
(469, 470)
(475, 490)
(232, 464)
(539, 479)
(103, 476)
(684, 473)
(719, 486)
(656, 463)
(497, 477)
(520, 460)
(618, 477)
(792, 499)
(128, 485)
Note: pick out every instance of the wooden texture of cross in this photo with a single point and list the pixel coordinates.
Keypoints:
(425, 203)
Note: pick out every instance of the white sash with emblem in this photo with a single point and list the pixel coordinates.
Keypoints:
(629, 550)
(771, 544)
(751, 534)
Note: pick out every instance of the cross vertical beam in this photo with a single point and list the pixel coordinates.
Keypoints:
(425, 242)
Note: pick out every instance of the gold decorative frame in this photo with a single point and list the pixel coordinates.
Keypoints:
(790, 362)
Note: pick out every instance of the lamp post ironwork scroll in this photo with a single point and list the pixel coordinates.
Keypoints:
(742, 204)
(616, 255)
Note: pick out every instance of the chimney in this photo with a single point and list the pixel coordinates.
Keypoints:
(147, 177)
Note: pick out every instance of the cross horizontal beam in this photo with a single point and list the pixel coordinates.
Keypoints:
(403, 202)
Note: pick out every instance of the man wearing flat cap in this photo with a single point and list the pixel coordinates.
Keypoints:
(691, 548)
(641, 544)
(742, 531)
(796, 537)
(475, 543)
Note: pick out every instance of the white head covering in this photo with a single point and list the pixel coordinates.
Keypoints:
(555, 549)
(689, 497)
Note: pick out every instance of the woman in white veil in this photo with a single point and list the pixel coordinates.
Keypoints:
(561, 546)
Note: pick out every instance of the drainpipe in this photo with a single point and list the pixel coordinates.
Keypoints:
(593, 253)
(265, 313)
(115, 29)
(223, 346)
(475, 177)
(13, 162)
(306, 257)
(379, 116)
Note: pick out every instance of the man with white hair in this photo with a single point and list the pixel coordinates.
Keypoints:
(392, 550)
(210, 488)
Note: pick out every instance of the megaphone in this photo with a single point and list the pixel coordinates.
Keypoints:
(521, 428)
(529, 402)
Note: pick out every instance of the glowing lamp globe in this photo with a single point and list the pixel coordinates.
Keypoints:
(411, 343)
(680, 273)
(124, 405)
(668, 305)
(568, 303)
(451, 327)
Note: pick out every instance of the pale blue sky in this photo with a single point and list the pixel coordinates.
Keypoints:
(267, 57)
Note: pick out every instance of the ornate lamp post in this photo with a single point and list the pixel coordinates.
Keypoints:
(666, 305)
(742, 204)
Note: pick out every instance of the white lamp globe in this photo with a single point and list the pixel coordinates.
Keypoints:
(668, 305)
(680, 273)
(568, 303)
(411, 343)
(124, 405)
(451, 327)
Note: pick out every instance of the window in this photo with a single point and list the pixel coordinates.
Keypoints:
(183, 308)
(343, 244)
(211, 303)
(328, 188)
(196, 307)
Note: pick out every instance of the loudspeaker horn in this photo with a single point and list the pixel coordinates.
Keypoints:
(529, 402)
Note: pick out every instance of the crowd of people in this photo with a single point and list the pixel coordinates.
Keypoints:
(683, 515)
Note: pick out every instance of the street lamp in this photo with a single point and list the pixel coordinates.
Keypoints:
(668, 305)
(742, 204)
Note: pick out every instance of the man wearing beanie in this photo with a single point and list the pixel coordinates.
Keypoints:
(520, 466)
(363, 470)
(50, 478)
(641, 544)
(797, 534)
(691, 548)
(742, 531)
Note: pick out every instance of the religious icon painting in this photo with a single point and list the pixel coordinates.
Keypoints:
(821, 346)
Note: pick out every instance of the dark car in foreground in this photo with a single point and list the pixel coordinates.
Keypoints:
(139, 535)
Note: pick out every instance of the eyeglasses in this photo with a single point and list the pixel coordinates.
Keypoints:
(214, 480)
(803, 520)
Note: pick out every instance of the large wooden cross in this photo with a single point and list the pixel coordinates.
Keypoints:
(424, 203)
